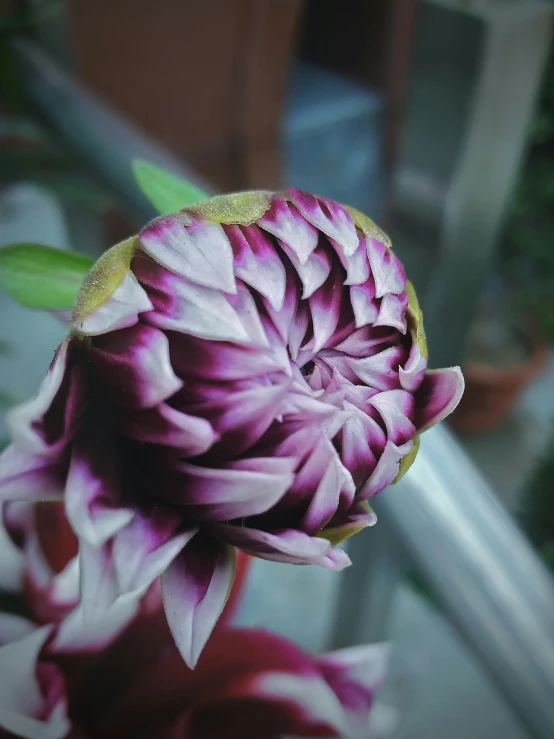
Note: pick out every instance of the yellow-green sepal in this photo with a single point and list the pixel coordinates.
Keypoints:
(241, 208)
(407, 461)
(415, 320)
(337, 534)
(104, 278)
(368, 227)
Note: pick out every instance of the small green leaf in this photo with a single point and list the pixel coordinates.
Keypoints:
(41, 277)
(165, 191)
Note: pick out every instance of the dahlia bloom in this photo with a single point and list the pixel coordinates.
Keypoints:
(245, 373)
(247, 684)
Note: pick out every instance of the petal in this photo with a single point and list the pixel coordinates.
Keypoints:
(386, 470)
(283, 317)
(355, 675)
(168, 427)
(12, 559)
(386, 268)
(329, 217)
(50, 593)
(361, 438)
(357, 265)
(325, 307)
(324, 481)
(314, 705)
(412, 374)
(358, 517)
(45, 424)
(103, 613)
(195, 589)
(437, 396)
(367, 340)
(119, 311)
(257, 262)
(247, 312)
(392, 311)
(198, 311)
(396, 408)
(285, 545)
(30, 477)
(199, 251)
(313, 272)
(242, 417)
(223, 361)
(380, 370)
(145, 548)
(93, 494)
(364, 304)
(246, 487)
(136, 367)
(25, 710)
(298, 329)
(285, 222)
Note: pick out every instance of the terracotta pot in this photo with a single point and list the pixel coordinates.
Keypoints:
(491, 392)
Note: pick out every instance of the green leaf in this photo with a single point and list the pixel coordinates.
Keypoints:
(165, 191)
(41, 277)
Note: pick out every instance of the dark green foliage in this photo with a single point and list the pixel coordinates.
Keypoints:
(538, 514)
(529, 236)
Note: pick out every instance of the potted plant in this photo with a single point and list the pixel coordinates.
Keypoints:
(508, 344)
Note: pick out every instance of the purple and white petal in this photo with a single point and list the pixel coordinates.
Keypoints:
(30, 477)
(392, 311)
(412, 373)
(135, 366)
(241, 418)
(396, 408)
(103, 612)
(257, 263)
(199, 251)
(359, 516)
(437, 396)
(355, 674)
(284, 222)
(364, 304)
(357, 265)
(244, 487)
(222, 361)
(332, 219)
(195, 589)
(386, 268)
(386, 469)
(316, 707)
(198, 311)
(285, 545)
(121, 310)
(93, 492)
(247, 311)
(45, 424)
(362, 440)
(313, 272)
(379, 371)
(166, 426)
(145, 548)
(325, 307)
(26, 707)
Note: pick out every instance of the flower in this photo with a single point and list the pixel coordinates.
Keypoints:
(46, 558)
(247, 683)
(245, 373)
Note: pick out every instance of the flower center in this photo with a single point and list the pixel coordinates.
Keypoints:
(307, 369)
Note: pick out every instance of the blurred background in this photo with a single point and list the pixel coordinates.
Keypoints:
(434, 117)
